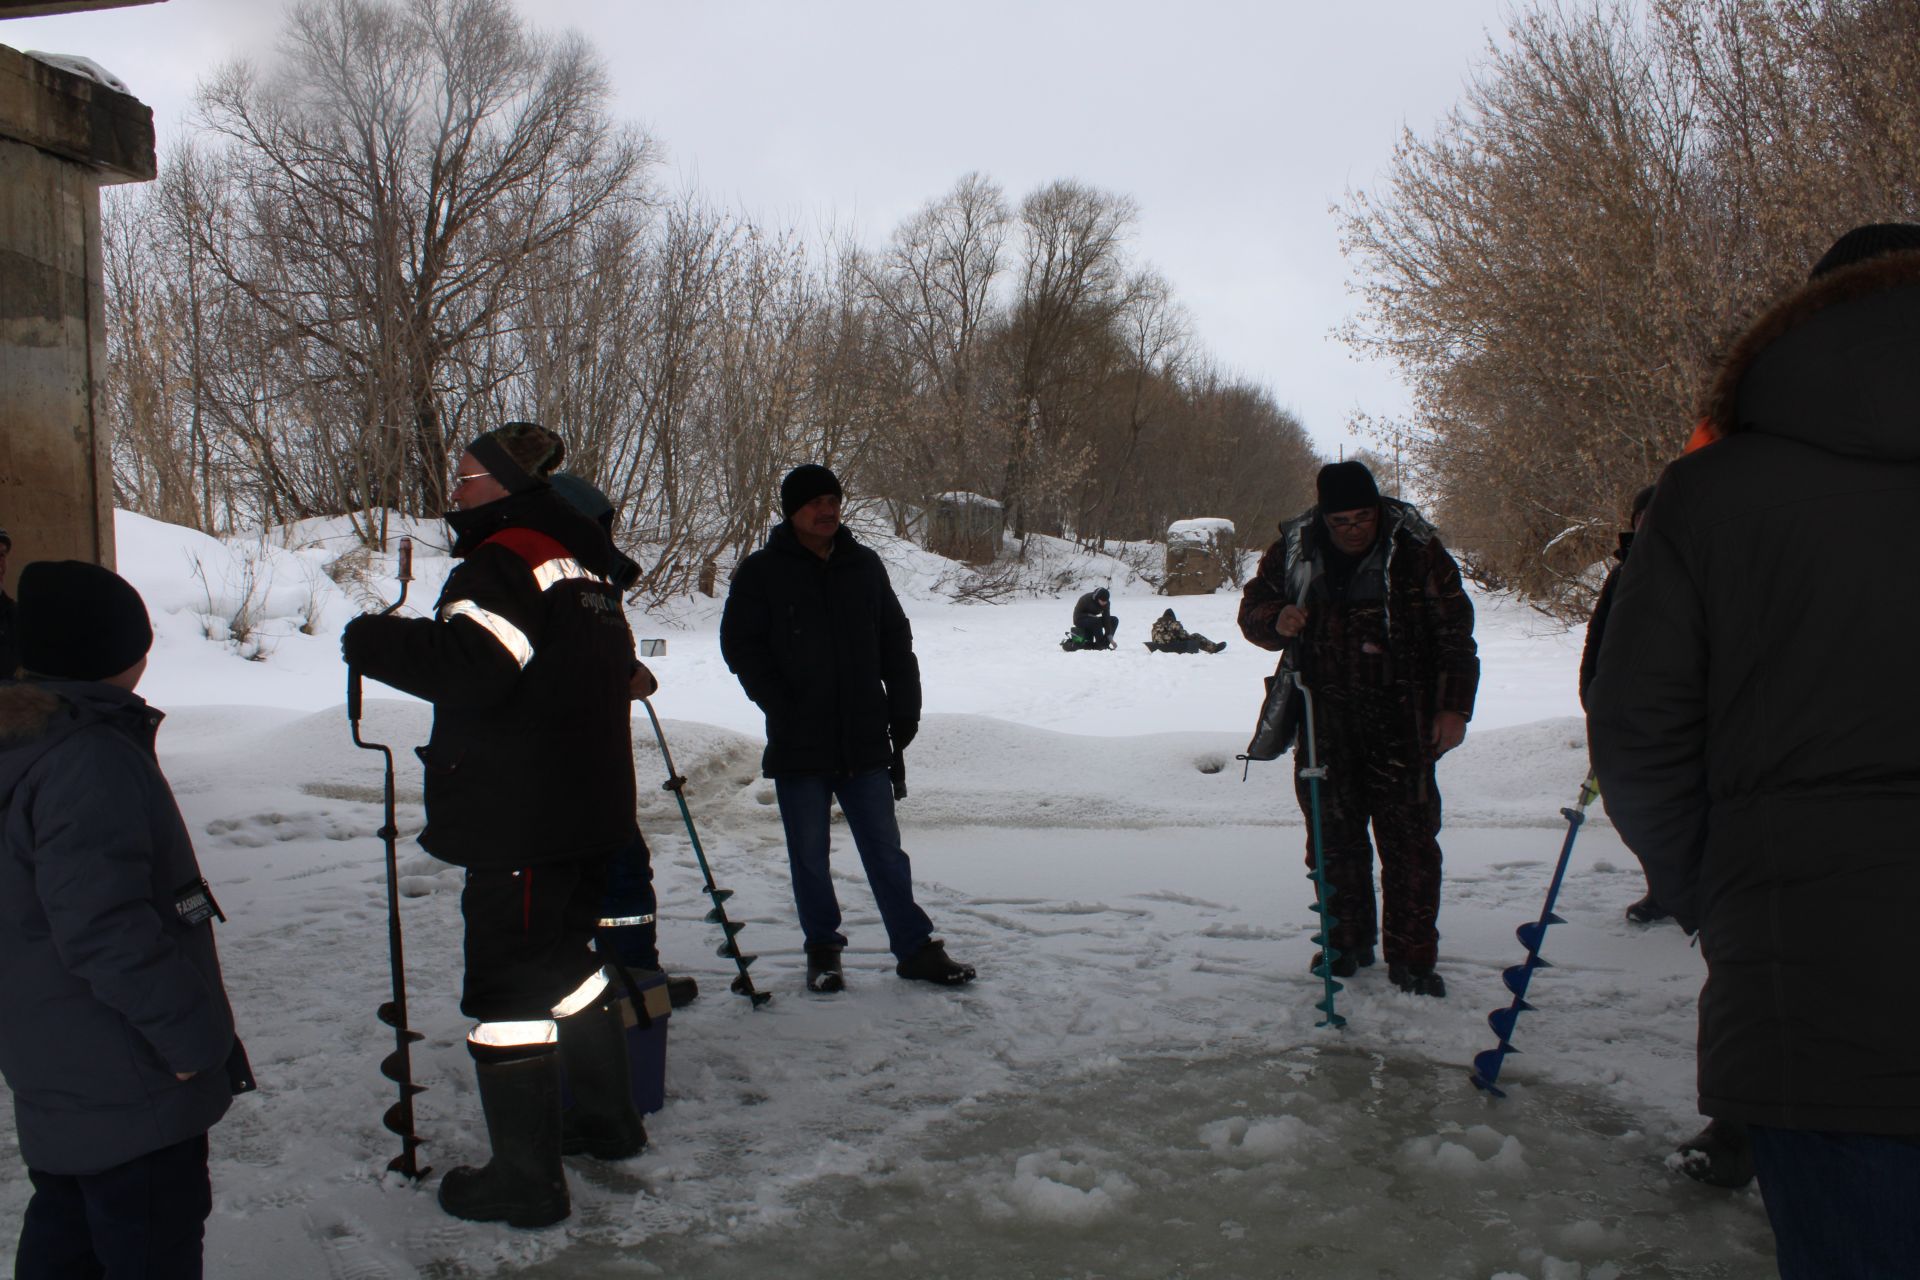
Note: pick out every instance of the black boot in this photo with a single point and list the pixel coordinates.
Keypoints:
(602, 1122)
(523, 1184)
(823, 969)
(931, 963)
(1720, 1155)
(682, 990)
(1351, 961)
(1417, 979)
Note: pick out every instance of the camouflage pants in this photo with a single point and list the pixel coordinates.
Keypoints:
(1370, 780)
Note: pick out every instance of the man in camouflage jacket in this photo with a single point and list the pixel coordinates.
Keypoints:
(1372, 604)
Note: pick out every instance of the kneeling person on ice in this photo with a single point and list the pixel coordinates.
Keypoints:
(529, 786)
(817, 637)
(1385, 645)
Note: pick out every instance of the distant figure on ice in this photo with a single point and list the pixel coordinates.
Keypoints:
(1646, 910)
(1093, 622)
(529, 664)
(1385, 641)
(115, 1033)
(1754, 726)
(1170, 637)
(818, 640)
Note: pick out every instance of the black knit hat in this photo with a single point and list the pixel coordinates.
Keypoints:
(1346, 486)
(520, 455)
(805, 483)
(1874, 240)
(80, 621)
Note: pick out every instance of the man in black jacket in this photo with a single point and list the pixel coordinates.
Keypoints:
(818, 640)
(1093, 618)
(1753, 727)
(115, 1033)
(529, 664)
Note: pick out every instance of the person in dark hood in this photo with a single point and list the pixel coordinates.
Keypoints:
(1093, 619)
(1646, 910)
(814, 632)
(628, 930)
(9, 655)
(1361, 588)
(1752, 723)
(116, 1037)
(529, 664)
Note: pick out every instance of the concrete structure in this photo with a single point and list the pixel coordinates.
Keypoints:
(966, 527)
(62, 136)
(1200, 557)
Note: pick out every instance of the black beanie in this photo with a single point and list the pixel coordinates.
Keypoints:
(80, 621)
(1347, 486)
(805, 483)
(1874, 240)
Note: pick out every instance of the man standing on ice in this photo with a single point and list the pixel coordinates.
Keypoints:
(1360, 587)
(529, 664)
(1755, 724)
(115, 1033)
(817, 637)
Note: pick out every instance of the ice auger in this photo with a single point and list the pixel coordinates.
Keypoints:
(398, 1065)
(729, 945)
(1314, 772)
(1486, 1065)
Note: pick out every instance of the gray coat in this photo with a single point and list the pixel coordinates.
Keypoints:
(106, 993)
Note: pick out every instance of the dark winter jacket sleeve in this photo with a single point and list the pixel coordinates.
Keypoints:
(1450, 613)
(1262, 599)
(746, 639)
(899, 669)
(93, 870)
(1088, 610)
(1647, 717)
(486, 628)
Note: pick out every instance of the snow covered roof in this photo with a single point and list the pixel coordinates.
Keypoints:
(961, 498)
(1199, 529)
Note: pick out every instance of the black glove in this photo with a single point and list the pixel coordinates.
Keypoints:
(357, 639)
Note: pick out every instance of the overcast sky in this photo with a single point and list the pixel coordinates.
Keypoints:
(1233, 123)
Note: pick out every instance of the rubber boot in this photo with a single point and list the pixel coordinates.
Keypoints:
(823, 969)
(523, 1185)
(602, 1122)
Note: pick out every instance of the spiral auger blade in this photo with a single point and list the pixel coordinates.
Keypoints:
(1517, 978)
(729, 949)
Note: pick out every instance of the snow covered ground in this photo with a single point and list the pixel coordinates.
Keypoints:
(1134, 1088)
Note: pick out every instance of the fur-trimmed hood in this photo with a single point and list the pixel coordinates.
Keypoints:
(1835, 364)
(36, 716)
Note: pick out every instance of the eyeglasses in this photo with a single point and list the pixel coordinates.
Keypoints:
(459, 479)
(1352, 522)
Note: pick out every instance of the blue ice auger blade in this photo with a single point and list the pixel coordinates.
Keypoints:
(1502, 1020)
(1517, 978)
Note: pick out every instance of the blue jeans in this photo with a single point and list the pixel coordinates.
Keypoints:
(142, 1220)
(1843, 1205)
(867, 800)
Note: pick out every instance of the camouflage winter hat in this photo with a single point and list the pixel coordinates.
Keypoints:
(520, 455)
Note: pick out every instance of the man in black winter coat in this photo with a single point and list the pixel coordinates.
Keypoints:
(115, 1033)
(1753, 724)
(1646, 910)
(817, 637)
(529, 664)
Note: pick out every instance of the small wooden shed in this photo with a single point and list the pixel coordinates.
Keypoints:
(965, 527)
(1200, 556)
